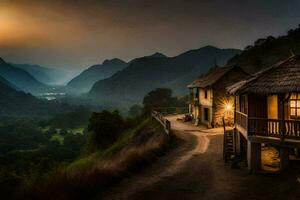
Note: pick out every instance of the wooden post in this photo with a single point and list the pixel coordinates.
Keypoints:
(224, 139)
(284, 158)
(282, 127)
(254, 156)
(234, 109)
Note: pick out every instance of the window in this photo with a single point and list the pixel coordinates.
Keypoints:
(196, 93)
(205, 93)
(295, 105)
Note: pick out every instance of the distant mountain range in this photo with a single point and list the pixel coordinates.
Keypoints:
(115, 82)
(20, 78)
(85, 80)
(147, 73)
(49, 76)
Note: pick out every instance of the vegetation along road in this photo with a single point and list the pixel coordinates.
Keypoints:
(195, 170)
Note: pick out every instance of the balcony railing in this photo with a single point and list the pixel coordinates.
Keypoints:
(272, 127)
(241, 119)
(268, 127)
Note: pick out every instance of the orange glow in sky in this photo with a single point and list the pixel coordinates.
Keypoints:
(76, 34)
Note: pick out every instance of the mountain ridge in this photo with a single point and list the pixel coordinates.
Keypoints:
(20, 78)
(147, 73)
(85, 80)
(46, 75)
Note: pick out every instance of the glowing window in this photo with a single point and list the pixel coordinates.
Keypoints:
(295, 105)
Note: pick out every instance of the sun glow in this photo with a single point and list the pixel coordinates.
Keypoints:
(10, 26)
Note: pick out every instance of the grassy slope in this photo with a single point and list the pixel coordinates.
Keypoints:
(90, 175)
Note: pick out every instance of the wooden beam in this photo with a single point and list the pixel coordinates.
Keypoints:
(281, 125)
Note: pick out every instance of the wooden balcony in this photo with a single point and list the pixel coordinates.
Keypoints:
(241, 119)
(272, 128)
(268, 127)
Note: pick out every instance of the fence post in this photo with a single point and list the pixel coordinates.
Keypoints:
(168, 126)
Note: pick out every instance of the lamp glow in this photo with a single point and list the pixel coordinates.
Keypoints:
(228, 107)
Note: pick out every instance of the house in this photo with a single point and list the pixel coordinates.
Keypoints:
(267, 111)
(209, 101)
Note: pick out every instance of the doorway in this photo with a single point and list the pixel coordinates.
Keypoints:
(206, 114)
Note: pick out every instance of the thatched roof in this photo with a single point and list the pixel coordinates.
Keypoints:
(283, 77)
(211, 77)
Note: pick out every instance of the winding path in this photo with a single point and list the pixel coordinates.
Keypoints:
(194, 170)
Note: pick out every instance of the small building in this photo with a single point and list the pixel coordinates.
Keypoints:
(267, 112)
(209, 100)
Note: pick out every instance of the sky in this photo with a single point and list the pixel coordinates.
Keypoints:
(75, 34)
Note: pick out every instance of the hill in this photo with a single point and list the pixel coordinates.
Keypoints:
(20, 78)
(147, 73)
(268, 51)
(5, 82)
(48, 76)
(84, 81)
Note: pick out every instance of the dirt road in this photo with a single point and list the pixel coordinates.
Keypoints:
(195, 170)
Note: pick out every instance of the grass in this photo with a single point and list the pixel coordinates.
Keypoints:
(78, 130)
(124, 139)
(58, 138)
(99, 155)
(88, 176)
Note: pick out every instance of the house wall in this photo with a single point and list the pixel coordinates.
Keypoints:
(205, 101)
(222, 98)
(272, 107)
(218, 99)
(257, 106)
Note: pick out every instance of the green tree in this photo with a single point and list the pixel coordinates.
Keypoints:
(160, 97)
(104, 129)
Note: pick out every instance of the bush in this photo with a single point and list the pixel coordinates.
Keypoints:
(161, 97)
(104, 128)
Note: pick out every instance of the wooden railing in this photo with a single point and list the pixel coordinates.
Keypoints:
(268, 127)
(159, 117)
(172, 110)
(272, 127)
(241, 119)
(262, 126)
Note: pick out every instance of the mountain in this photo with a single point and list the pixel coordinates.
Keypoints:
(147, 73)
(157, 55)
(48, 76)
(15, 103)
(20, 78)
(268, 51)
(84, 81)
(5, 82)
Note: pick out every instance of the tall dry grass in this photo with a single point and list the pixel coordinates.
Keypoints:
(90, 176)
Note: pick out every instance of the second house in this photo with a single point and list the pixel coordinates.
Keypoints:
(209, 101)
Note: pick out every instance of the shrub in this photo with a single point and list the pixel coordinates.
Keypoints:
(104, 128)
